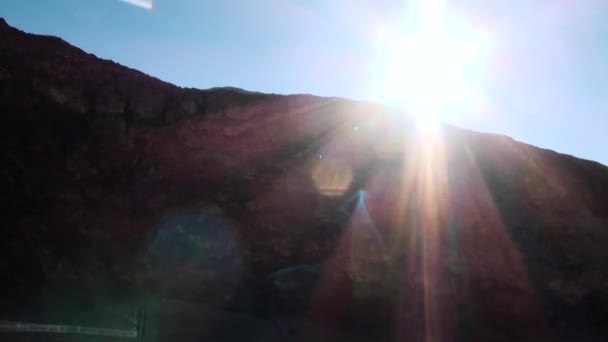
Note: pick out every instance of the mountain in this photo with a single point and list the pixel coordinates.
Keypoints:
(298, 209)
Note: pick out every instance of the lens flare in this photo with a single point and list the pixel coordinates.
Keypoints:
(332, 177)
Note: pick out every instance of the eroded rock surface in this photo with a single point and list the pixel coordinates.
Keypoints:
(118, 185)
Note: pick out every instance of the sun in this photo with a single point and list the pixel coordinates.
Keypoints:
(430, 66)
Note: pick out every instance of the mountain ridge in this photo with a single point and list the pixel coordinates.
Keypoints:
(120, 185)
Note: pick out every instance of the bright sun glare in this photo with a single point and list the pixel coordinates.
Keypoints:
(431, 66)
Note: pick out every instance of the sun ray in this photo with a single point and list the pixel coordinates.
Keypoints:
(502, 260)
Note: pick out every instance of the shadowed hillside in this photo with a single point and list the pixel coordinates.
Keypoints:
(121, 189)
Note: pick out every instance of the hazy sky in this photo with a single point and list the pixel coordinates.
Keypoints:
(543, 79)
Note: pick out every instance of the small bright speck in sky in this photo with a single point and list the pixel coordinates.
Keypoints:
(147, 4)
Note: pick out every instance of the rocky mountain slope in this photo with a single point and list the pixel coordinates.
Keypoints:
(119, 187)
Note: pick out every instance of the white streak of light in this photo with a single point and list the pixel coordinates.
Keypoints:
(147, 4)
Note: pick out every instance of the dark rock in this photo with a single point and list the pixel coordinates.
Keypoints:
(116, 184)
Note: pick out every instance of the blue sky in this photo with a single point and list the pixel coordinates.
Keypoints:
(544, 79)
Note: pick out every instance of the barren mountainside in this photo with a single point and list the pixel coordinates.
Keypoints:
(119, 187)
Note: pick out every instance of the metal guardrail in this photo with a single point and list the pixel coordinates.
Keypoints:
(136, 333)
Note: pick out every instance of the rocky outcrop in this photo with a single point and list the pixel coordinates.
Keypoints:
(118, 185)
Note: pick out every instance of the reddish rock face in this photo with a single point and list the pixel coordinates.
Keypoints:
(117, 184)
